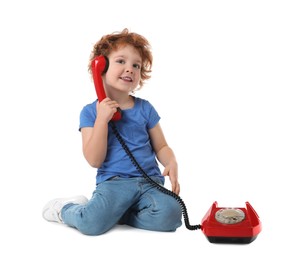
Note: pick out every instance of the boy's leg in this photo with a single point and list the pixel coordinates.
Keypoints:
(155, 211)
(109, 202)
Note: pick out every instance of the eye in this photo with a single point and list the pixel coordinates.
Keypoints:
(137, 66)
(121, 61)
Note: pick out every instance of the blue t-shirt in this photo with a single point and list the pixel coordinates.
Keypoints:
(133, 127)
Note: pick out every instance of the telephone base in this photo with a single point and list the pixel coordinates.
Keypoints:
(231, 240)
(231, 225)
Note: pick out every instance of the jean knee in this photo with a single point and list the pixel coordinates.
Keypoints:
(171, 215)
(91, 228)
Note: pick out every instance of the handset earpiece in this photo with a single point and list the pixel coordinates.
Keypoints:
(99, 66)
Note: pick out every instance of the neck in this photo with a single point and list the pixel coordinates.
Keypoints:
(125, 101)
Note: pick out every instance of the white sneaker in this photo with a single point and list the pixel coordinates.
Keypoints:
(52, 210)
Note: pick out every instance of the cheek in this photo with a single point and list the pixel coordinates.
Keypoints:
(137, 79)
(138, 75)
(109, 76)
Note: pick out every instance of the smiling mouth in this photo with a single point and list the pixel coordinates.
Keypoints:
(128, 79)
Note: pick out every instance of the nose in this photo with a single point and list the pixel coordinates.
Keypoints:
(129, 69)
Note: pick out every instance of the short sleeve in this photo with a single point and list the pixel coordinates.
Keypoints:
(88, 116)
(153, 116)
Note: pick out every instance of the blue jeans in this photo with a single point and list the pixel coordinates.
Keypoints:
(131, 201)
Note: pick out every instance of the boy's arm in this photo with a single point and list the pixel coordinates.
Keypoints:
(95, 139)
(165, 156)
(95, 143)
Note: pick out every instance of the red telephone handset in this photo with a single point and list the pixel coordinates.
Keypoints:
(99, 66)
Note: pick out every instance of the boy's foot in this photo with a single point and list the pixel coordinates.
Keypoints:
(52, 210)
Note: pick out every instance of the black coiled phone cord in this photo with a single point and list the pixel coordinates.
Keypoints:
(152, 182)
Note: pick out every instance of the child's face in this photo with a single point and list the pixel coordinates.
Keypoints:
(124, 70)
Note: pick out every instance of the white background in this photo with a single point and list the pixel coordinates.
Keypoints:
(225, 84)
